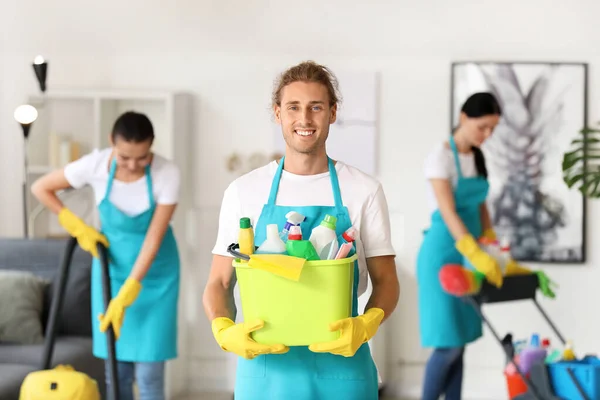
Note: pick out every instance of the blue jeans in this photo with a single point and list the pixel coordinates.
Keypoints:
(443, 374)
(149, 376)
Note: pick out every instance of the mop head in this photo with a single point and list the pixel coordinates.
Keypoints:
(459, 281)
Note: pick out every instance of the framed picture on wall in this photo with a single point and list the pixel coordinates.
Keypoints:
(544, 106)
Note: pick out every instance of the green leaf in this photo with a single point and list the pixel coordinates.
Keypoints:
(580, 165)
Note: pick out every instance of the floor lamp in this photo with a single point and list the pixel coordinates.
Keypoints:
(25, 115)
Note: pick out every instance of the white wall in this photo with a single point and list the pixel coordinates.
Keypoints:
(228, 54)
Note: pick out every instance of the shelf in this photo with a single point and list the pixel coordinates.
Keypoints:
(85, 117)
(39, 169)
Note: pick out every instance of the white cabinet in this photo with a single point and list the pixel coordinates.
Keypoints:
(73, 122)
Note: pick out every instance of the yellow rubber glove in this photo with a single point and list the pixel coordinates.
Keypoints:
(87, 236)
(115, 313)
(489, 234)
(236, 339)
(514, 268)
(354, 332)
(482, 261)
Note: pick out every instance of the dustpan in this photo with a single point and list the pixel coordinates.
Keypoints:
(288, 267)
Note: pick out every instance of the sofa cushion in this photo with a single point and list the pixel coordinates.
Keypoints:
(21, 305)
(11, 377)
(43, 258)
(75, 318)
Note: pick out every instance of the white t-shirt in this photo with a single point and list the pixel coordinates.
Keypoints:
(130, 197)
(440, 164)
(361, 194)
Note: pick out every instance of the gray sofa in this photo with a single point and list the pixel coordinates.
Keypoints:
(73, 344)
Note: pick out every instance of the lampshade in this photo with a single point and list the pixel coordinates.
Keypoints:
(26, 114)
(40, 66)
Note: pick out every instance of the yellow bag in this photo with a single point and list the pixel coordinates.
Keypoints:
(60, 383)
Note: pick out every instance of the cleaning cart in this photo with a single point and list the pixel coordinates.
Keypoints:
(63, 382)
(562, 380)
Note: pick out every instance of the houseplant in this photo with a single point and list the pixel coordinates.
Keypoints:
(581, 164)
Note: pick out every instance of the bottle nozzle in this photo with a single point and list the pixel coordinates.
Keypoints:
(350, 234)
(294, 217)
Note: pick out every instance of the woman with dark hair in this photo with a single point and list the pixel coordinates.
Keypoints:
(136, 192)
(457, 192)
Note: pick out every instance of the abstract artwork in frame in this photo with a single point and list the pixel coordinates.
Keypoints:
(544, 106)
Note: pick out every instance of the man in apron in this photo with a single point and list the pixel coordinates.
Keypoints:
(136, 193)
(307, 181)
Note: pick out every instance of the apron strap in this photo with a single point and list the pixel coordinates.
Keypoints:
(275, 184)
(335, 185)
(456, 160)
(149, 183)
(111, 177)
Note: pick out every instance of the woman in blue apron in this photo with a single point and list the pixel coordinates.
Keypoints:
(143, 254)
(447, 323)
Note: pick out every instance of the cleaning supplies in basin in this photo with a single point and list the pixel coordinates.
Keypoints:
(323, 237)
(273, 243)
(346, 241)
(246, 237)
(297, 247)
(293, 219)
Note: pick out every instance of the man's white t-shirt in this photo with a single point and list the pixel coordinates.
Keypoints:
(362, 195)
(130, 197)
(441, 164)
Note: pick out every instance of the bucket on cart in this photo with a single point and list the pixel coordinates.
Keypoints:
(566, 376)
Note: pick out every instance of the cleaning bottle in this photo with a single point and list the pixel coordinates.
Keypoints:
(296, 247)
(293, 218)
(553, 355)
(295, 233)
(346, 240)
(568, 354)
(532, 354)
(246, 237)
(273, 243)
(323, 237)
(504, 257)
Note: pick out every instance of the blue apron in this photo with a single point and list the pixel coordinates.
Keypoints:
(301, 374)
(446, 320)
(149, 330)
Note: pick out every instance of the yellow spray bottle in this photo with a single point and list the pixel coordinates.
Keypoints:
(246, 237)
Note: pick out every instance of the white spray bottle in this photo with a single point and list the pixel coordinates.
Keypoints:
(293, 218)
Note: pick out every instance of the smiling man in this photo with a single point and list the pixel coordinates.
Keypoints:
(305, 104)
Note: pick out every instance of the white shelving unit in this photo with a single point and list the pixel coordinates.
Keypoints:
(87, 117)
